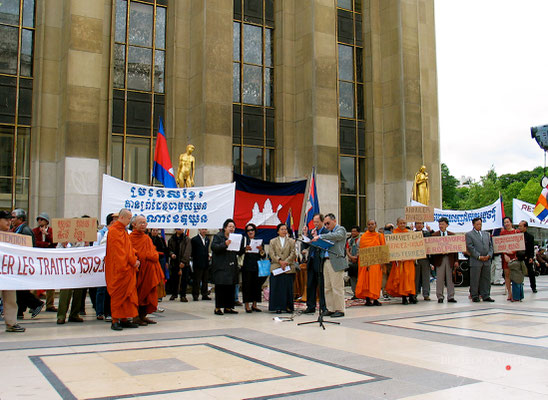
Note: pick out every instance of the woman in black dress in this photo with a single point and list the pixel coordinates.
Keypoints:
(282, 255)
(224, 269)
(252, 283)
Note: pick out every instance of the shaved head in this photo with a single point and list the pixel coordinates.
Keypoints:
(124, 216)
(139, 223)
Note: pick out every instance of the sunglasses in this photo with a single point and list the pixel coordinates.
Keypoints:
(250, 230)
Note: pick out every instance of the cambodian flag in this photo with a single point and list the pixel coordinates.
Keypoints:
(162, 169)
(290, 224)
(312, 205)
(541, 208)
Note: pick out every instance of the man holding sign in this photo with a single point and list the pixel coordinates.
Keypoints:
(401, 282)
(444, 264)
(370, 277)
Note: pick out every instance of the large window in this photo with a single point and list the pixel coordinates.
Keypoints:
(351, 113)
(16, 73)
(138, 98)
(253, 88)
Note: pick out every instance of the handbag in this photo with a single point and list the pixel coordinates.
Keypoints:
(264, 267)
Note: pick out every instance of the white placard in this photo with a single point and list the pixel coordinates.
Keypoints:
(235, 242)
(255, 244)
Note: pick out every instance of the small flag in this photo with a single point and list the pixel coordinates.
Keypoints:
(312, 205)
(162, 169)
(541, 208)
(289, 223)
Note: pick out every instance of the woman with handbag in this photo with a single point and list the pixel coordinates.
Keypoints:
(224, 269)
(252, 283)
(282, 255)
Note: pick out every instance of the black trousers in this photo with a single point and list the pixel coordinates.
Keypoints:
(92, 295)
(25, 299)
(314, 282)
(252, 286)
(224, 296)
(199, 281)
(178, 284)
(532, 277)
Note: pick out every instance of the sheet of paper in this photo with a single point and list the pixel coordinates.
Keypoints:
(235, 242)
(280, 270)
(255, 243)
(305, 239)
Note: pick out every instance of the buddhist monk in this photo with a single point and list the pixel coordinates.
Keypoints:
(150, 272)
(121, 265)
(401, 282)
(370, 277)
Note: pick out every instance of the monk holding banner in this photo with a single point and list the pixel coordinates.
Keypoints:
(121, 265)
(150, 273)
(401, 282)
(370, 277)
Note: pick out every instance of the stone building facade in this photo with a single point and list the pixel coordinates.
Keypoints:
(269, 88)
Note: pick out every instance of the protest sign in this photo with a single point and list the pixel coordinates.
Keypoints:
(74, 230)
(508, 243)
(406, 246)
(196, 207)
(374, 255)
(524, 212)
(24, 268)
(419, 213)
(461, 220)
(445, 244)
(15, 238)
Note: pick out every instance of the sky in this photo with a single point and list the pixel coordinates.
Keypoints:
(492, 61)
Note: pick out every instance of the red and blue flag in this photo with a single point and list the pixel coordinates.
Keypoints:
(312, 205)
(162, 169)
(267, 204)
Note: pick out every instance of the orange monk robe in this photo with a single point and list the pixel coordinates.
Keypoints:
(370, 277)
(120, 271)
(401, 281)
(150, 273)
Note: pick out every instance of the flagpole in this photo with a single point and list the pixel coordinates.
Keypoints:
(305, 199)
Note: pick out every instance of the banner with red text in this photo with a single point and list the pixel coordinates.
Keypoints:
(36, 268)
(524, 212)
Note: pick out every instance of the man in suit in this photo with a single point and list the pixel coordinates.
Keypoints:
(444, 264)
(529, 254)
(179, 273)
(314, 278)
(480, 249)
(422, 268)
(200, 264)
(334, 265)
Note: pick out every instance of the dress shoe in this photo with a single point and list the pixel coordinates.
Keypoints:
(76, 319)
(309, 311)
(489, 300)
(116, 326)
(218, 312)
(337, 314)
(149, 321)
(230, 311)
(368, 303)
(427, 298)
(327, 313)
(173, 297)
(440, 300)
(535, 290)
(475, 299)
(139, 322)
(451, 301)
(206, 298)
(404, 300)
(195, 298)
(60, 321)
(412, 299)
(256, 309)
(184, 299)
(238, 303)
(51, 309)
(128, 324)
(377, 303)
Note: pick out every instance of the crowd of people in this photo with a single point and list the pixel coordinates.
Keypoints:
(141, 269)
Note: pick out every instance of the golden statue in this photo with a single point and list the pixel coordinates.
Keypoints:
(421, 191)
(187, 168)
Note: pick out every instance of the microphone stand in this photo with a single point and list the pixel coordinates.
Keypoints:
(320, 315)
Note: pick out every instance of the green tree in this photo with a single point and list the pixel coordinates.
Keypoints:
(530, 191)
(448, 188)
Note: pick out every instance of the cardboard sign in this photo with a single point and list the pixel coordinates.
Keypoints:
(445, 244)
(406, 246)
(508, 243)
(74, 230)
(374, 255)
(419, 214)
(15, 238)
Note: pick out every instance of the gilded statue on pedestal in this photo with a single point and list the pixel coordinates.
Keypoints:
(421, 191)
(187, 168)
